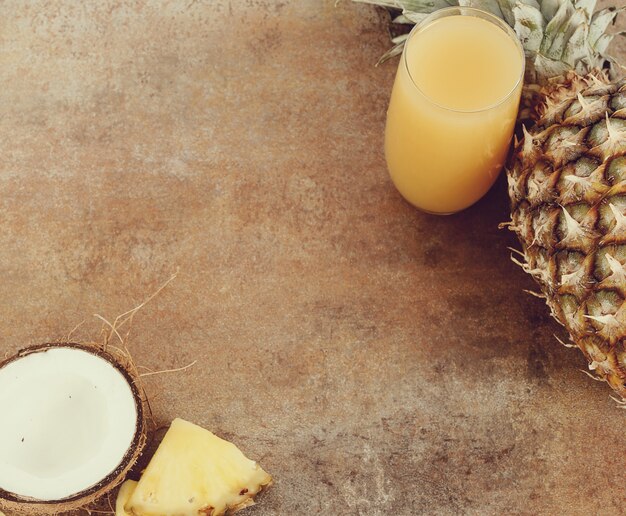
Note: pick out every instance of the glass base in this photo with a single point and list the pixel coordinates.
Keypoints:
(435, 212)
(429, 212)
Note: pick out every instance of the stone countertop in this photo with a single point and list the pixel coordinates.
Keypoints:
(374, 359)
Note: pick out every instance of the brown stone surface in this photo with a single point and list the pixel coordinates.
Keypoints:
(374, 359)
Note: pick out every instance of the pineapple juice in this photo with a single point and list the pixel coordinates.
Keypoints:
(453, 109)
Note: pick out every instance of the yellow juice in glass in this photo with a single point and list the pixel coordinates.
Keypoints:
(453, 109)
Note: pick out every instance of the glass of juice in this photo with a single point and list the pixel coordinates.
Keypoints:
(453, 108)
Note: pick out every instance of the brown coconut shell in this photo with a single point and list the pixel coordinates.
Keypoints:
(15, 504)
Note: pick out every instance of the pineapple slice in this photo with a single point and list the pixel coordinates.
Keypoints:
(195, 473)
(122, 497)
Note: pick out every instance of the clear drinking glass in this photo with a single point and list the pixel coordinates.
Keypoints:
(453, 108)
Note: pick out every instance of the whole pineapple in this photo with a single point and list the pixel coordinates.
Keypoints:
(567, 185)
(567, 176)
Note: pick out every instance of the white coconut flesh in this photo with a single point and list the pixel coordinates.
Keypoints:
(68, 417)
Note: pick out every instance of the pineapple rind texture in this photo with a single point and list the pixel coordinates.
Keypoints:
(195, 473)
(567, 185)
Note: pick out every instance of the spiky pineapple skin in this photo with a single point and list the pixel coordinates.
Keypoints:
(567, 186)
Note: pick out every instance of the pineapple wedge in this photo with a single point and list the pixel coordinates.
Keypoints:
(122, 497)
(195, 473)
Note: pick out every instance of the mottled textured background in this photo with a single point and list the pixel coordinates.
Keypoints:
(374, 359)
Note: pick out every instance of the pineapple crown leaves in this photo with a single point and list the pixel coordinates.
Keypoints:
(557, 35)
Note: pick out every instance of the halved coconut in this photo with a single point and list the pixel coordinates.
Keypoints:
(71, 426)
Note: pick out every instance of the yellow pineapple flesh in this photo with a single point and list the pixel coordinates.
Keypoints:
(195, 473)
(123, 496)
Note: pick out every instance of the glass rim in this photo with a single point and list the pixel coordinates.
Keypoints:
(478, 13)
